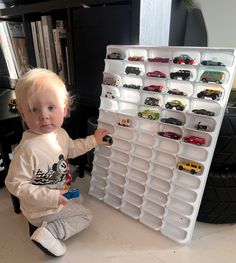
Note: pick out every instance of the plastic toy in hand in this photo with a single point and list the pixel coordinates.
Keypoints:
(73, 193)
(108, 139)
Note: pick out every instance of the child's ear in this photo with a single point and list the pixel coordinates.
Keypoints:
(65, 110)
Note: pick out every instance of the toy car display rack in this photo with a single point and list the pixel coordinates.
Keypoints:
(164, 138)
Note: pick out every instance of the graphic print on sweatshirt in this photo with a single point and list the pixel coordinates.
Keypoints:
(57, 176)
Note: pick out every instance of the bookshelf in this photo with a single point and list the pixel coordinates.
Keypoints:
(86, 41)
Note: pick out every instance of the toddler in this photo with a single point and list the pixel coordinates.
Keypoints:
(39, 172)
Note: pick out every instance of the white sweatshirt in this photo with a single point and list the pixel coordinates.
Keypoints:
(39, 168)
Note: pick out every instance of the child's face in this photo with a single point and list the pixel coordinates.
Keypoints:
(45, 113)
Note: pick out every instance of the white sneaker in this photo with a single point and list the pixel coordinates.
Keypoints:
(48, 241)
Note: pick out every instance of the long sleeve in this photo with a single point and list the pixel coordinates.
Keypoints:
(19, 183)
(81, 146)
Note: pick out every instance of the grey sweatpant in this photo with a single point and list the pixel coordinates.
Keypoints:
(72, 219)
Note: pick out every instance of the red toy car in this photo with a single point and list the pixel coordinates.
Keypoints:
(183, 59)
(159, 59)
(171, 135)
(156, 74)
(136, 58)
(176, 92)
(195, 140)
(156, 88)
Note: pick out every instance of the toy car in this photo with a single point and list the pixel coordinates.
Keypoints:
(132, 86)
(175, 104)
(112, 80)
(151, 101)
(184, 74)
(212, 63)
(136, 58)
(201, 127)
(109, 95)
(73, 193)
(159, 59)
(12, 105)
(189, 166)
(203, 112)
(124, 122)
(155, 88)
(172, 121)
(148, 114)
(156, 74)
(114, 55)
(108, 139)
(133, 70)
(210, 93)
(212, 76)
(171, 135)
(183, 59)
(176, 92)
(195, 140)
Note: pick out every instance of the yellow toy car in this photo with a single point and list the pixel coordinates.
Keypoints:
(189, 166)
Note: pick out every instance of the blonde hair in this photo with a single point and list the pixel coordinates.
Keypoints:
(35, 80)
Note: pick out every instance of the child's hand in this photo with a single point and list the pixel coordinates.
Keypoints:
(99, 134)
(62, 199)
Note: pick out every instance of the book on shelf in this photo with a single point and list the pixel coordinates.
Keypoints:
(18, 41)
(39, 31)
(3, 64)
(36, 44)
(61, 28)
(49, 42)
(7, 50)
(59, 58)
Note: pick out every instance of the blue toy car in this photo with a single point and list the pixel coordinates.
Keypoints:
(212, 63)
(73, 193)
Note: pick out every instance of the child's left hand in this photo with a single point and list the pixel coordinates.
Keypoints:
(99, 134)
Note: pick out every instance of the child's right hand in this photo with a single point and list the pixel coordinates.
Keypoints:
(62, 199)
(99, 134)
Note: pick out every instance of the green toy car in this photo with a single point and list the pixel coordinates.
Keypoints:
(175, 104)
(148, 114)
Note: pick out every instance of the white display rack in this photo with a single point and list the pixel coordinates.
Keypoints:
(139, 173)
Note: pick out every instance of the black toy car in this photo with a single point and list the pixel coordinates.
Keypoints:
(151, 101)
(132, 70)
(184, 74)
(108, 139)
(172, 121)
(201, 127)
(132, 86)
(203, 112)
(114, 55)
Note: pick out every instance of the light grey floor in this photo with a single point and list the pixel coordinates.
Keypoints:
(115, 238)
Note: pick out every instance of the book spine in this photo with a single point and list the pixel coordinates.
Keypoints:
(17, 35)
(41, 43)
(59, 58)
(61, 29)
(48, 42)
(7, 53)
(35, 41)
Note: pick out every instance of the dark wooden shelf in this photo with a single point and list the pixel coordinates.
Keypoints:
(47, 6)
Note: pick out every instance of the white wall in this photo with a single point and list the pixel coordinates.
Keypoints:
(220, 20)
(155, 22)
